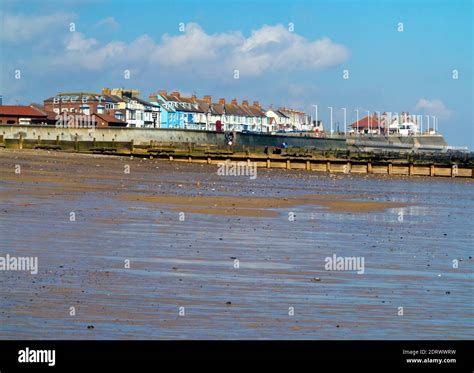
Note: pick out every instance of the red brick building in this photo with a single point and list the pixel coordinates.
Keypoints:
(83, 103)
(15, 114)
(80, 120)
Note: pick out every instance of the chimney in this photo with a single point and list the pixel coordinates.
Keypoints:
(175, 94)
(208, 99)
(245, 103)
(162, 93)
(234, 101)
(106, 91)
(194, 98)
(222, 101)
(256, 104)
(152, 97)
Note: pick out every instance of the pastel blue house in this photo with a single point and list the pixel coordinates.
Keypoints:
(169, 116)
(175, 112)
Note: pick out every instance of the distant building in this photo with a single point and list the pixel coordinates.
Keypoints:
(21, 115)
(83, 103)
(122, 104)
(367, 125)
(136, 111)
(278, 120)
(176, 111)
(284, 119)
(79, 120)
(298, 119)
(106, 120)
(192, 112)
(388, 123)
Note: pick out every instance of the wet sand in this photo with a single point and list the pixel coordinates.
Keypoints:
(182, 227)
(258, 206)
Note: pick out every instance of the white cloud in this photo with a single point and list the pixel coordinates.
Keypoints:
(109, 23)
(193, 45)
(77, 42)
(20, 28)
(276, 48)
(270, 48)
(433, 107)
(88, 54)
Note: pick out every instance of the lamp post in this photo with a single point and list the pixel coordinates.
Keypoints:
(378, 122)
(357, 120)
(369, 124)
(434, 124)
(159, 116)
(208, 117)
(345, 121)
(316, 112)
(330, 108)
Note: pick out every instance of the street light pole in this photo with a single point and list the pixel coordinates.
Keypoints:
(378, 122)
(345, 121)
(357, 122)
(369, 124)
(330, 108)
(316, 112)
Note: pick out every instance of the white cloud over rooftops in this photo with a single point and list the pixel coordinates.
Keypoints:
(269, 48)
(433, 107)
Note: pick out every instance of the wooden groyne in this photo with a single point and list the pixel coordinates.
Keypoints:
(331, 161)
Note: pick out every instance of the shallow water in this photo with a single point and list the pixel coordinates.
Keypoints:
(408, 255)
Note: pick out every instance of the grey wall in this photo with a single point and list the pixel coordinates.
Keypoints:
(142, 136)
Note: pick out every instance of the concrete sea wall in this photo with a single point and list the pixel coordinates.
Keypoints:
(141, 136)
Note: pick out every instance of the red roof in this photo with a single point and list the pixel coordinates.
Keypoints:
(364, 122)
(109, 118)
(20, 111)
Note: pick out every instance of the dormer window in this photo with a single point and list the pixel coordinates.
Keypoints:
(85, 109)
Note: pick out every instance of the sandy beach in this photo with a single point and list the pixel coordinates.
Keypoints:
(152, 249)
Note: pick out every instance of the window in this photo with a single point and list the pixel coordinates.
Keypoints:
(85, 109)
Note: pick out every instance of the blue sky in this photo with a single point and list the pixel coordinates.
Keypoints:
(289, 53)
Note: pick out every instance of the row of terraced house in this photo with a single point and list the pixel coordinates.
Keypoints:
(124, 107)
